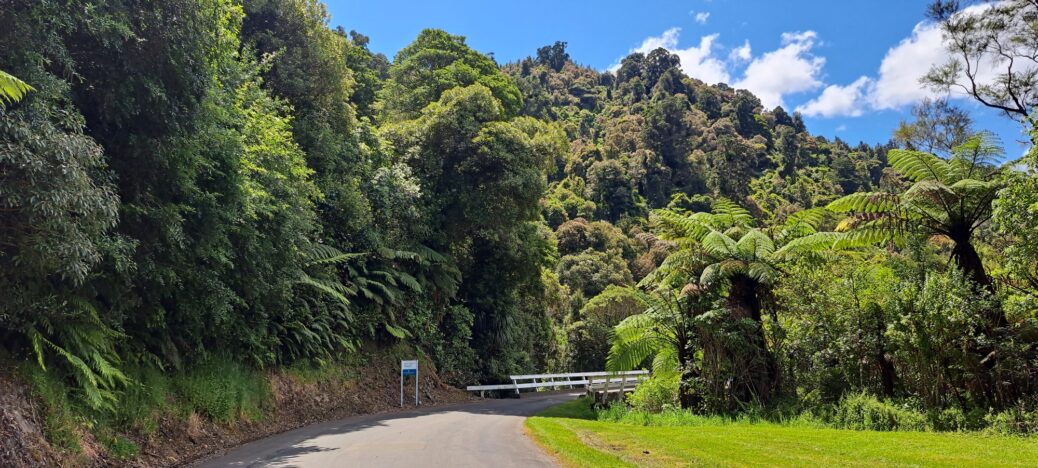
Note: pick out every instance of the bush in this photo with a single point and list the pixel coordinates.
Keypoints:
(1014, 421)
(864, 412)
(656, 394)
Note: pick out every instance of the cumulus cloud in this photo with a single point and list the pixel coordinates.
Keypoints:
(701, 17)
(903, 66)
(792, 68)
(742, 53)
(837, 100)
(697, 61)
(898, 80)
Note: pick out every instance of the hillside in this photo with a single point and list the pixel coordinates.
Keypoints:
(203, 196)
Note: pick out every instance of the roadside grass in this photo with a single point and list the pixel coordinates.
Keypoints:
(573, 434)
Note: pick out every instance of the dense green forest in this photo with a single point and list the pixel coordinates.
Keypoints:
(194, 180)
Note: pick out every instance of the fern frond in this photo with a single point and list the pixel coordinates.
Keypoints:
(12, 89)
(918, 166)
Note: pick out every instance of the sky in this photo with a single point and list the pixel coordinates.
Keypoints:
(851, 67)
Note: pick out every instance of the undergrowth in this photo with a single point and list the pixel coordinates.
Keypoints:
(219, 389)
(859, 411)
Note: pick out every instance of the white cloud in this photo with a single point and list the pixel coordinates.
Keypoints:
(789, 69)
(899, 72)
(742, 53)
(837, 100)
(898, 80)
(702, 16)
(792, 68)
(841, 128)
(698, 61)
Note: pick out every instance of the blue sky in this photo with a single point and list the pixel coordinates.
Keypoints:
(850, 66)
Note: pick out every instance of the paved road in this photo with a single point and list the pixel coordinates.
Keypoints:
(484, 433)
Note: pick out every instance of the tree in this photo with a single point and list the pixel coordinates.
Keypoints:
(727, 251)
(669, 332)
(948, 197)
(990, 36)
(553, 56)
(610, 189)
(482, 176)
(435, 62)
(1016, 217)
(938, 128)
(309, 67)
(590, 330)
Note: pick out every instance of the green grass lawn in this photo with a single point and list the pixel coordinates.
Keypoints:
(571, 433)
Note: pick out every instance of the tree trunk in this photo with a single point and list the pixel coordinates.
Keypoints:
(687, 397)
(755, 368)
(967, 259)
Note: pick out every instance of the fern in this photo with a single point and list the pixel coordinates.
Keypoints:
(85, 347)
(12, 89)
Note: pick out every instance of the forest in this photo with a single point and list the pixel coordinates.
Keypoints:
(191, 182)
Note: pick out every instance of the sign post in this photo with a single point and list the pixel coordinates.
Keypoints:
(409, 368)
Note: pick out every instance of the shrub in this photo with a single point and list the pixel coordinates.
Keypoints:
(862, 411)
(1014, 421)
(657, 393)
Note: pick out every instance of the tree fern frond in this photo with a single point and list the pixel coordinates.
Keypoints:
(755, 245)
(12, 89)
(918, 166)
(865, 202)
(719, 244)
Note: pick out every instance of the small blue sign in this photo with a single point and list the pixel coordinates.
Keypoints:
(406, 372)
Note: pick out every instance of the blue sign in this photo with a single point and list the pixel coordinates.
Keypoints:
(406, 372)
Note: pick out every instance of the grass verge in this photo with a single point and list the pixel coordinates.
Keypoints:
(573, 433)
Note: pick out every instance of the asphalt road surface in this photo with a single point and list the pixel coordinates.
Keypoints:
(483, 433)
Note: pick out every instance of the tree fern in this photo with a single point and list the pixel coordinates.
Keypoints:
(948, 197)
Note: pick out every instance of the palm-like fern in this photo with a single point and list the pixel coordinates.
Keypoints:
(667, 332)
(654, 333)
(12, 89)
(948, 197)
(730, 252)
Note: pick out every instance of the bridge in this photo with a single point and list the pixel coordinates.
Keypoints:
(601, 385)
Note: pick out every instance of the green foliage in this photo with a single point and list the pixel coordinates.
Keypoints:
(208, 187)
(12, 89)
(224, 391)
(865, 412)
(437, 62)
(656, 394)
(948, 197)
(120, 448)
(87, 352)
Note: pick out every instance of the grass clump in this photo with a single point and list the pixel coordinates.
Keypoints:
(59, 414)
(120, 448)
(224, 391)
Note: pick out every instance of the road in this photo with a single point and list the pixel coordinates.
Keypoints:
(483, 433)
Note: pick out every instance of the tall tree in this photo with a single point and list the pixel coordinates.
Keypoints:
(993, 54)
(948, 197)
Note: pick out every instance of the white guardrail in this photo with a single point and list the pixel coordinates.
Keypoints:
(618, 381)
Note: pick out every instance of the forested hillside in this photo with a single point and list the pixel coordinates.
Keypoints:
(192, 182)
